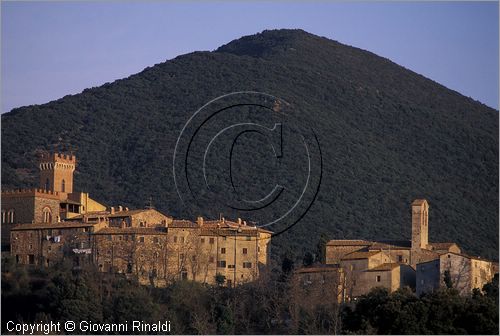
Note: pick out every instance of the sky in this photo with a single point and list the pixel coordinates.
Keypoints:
(52, 49)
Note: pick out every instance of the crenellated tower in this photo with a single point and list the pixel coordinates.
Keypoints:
(56, 172)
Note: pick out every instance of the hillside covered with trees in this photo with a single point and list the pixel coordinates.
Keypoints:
(387, 136)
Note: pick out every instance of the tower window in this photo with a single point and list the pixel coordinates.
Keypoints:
(47, 215)
(63, 186)
(10, 216)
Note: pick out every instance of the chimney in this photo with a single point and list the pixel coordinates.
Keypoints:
(120, 208)
(245, 223)
(112, 210)
(200, 221)
(239, 221)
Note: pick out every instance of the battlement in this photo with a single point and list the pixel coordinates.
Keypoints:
(57, 157)
(35, 192)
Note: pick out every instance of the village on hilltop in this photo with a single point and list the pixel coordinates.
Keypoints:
(43, 226)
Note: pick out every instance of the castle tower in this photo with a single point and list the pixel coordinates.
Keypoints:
(56, 172)
(419, 224)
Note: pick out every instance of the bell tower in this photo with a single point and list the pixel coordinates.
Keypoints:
(419, 224)
(56, 172)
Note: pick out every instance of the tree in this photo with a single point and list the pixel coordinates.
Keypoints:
(447, 279)
(320, 256)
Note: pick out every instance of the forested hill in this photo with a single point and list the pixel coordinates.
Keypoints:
(387, 135)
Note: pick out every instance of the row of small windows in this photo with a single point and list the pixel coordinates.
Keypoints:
(243, 250)
(203, 240)
(8, 216)
(222, 264)
(140, 239)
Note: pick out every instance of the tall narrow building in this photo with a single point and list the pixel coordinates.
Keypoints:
(419, 228)
(56, 172)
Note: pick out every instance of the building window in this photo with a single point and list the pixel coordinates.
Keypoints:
(378, 278)
(230, 266)
(400, 258)
(10, 216)
(141, 239)
(18, 259)
(211, 259)
(47, 215)
(47, 184)
(31, 259)
(202, 240)
(475, 280)
(31, 247)
(212, 240)
(223, 250)
(63, 186)
(247, 264)
(156, 240)
(245, 250)
(175, 239)
(224, 238)
(221, 264)
(448, 256)
(182, 239)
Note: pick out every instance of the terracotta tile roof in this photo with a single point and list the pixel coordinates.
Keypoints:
(360, 255)
(388, 244)
(384, 267)
(348, 242)
(93, 214)
(133, 230)
(127, 213)
(318, 269)
(182, 223)
(60, 225)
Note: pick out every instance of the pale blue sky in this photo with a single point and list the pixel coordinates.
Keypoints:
(57, 48)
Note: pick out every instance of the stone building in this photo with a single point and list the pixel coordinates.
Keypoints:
(203, 249)
(52, 202)
(134, 251)
(319, 283)
(46, 225)
(44, 244)
(464, 273)
(395, 264)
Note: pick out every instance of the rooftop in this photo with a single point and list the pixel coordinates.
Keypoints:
(132, 230)
(384, 267)
(60, 225)
(348, 242)
(360, 255)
